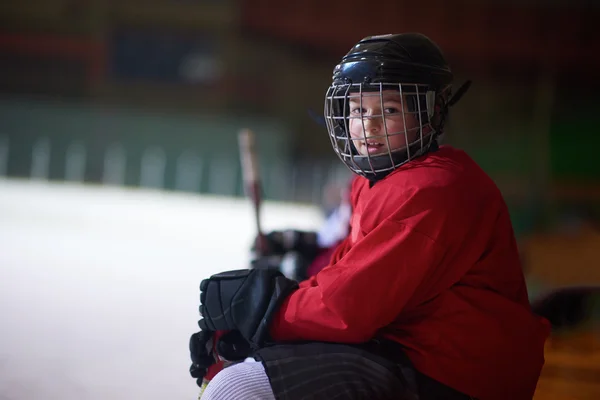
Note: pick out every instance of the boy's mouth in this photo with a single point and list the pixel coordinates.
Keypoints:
(373, 146)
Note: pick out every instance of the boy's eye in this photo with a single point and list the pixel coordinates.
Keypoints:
(391, 110)
(357, 110)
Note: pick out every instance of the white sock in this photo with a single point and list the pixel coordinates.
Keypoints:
(246, 380)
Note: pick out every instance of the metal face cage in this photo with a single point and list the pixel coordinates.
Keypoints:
(375, 128)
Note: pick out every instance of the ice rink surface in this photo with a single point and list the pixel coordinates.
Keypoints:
(99, 286)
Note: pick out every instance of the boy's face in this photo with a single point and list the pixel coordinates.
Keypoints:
(367, 127)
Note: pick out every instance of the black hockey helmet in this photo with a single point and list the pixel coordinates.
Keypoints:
(411, 65)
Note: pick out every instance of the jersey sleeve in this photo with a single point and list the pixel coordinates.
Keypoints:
(363, 291)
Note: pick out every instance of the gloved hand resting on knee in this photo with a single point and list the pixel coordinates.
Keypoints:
(208, 348)
(243, 300)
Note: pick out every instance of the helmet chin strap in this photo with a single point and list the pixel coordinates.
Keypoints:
(459, 93)
(450, 103)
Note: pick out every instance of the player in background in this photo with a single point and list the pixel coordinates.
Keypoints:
(301, 254)
(425, 298)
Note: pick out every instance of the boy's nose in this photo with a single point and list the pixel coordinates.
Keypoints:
(372, 124)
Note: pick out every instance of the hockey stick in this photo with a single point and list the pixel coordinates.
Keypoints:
(251, 180)
(252, 188)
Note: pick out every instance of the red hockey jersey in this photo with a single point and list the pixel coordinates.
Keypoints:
(430, 262)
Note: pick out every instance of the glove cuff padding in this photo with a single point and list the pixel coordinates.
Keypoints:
(282, 288)
(244, 300)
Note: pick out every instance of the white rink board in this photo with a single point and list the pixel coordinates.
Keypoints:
(99, 286)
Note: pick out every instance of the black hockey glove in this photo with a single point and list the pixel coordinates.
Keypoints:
(201, 353)
(243, 300)
(281, 242)
(231, 346)
(565, 308)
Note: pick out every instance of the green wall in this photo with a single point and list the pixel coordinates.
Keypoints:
(212, 138)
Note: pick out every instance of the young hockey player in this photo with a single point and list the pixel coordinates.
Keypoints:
(424, 299)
